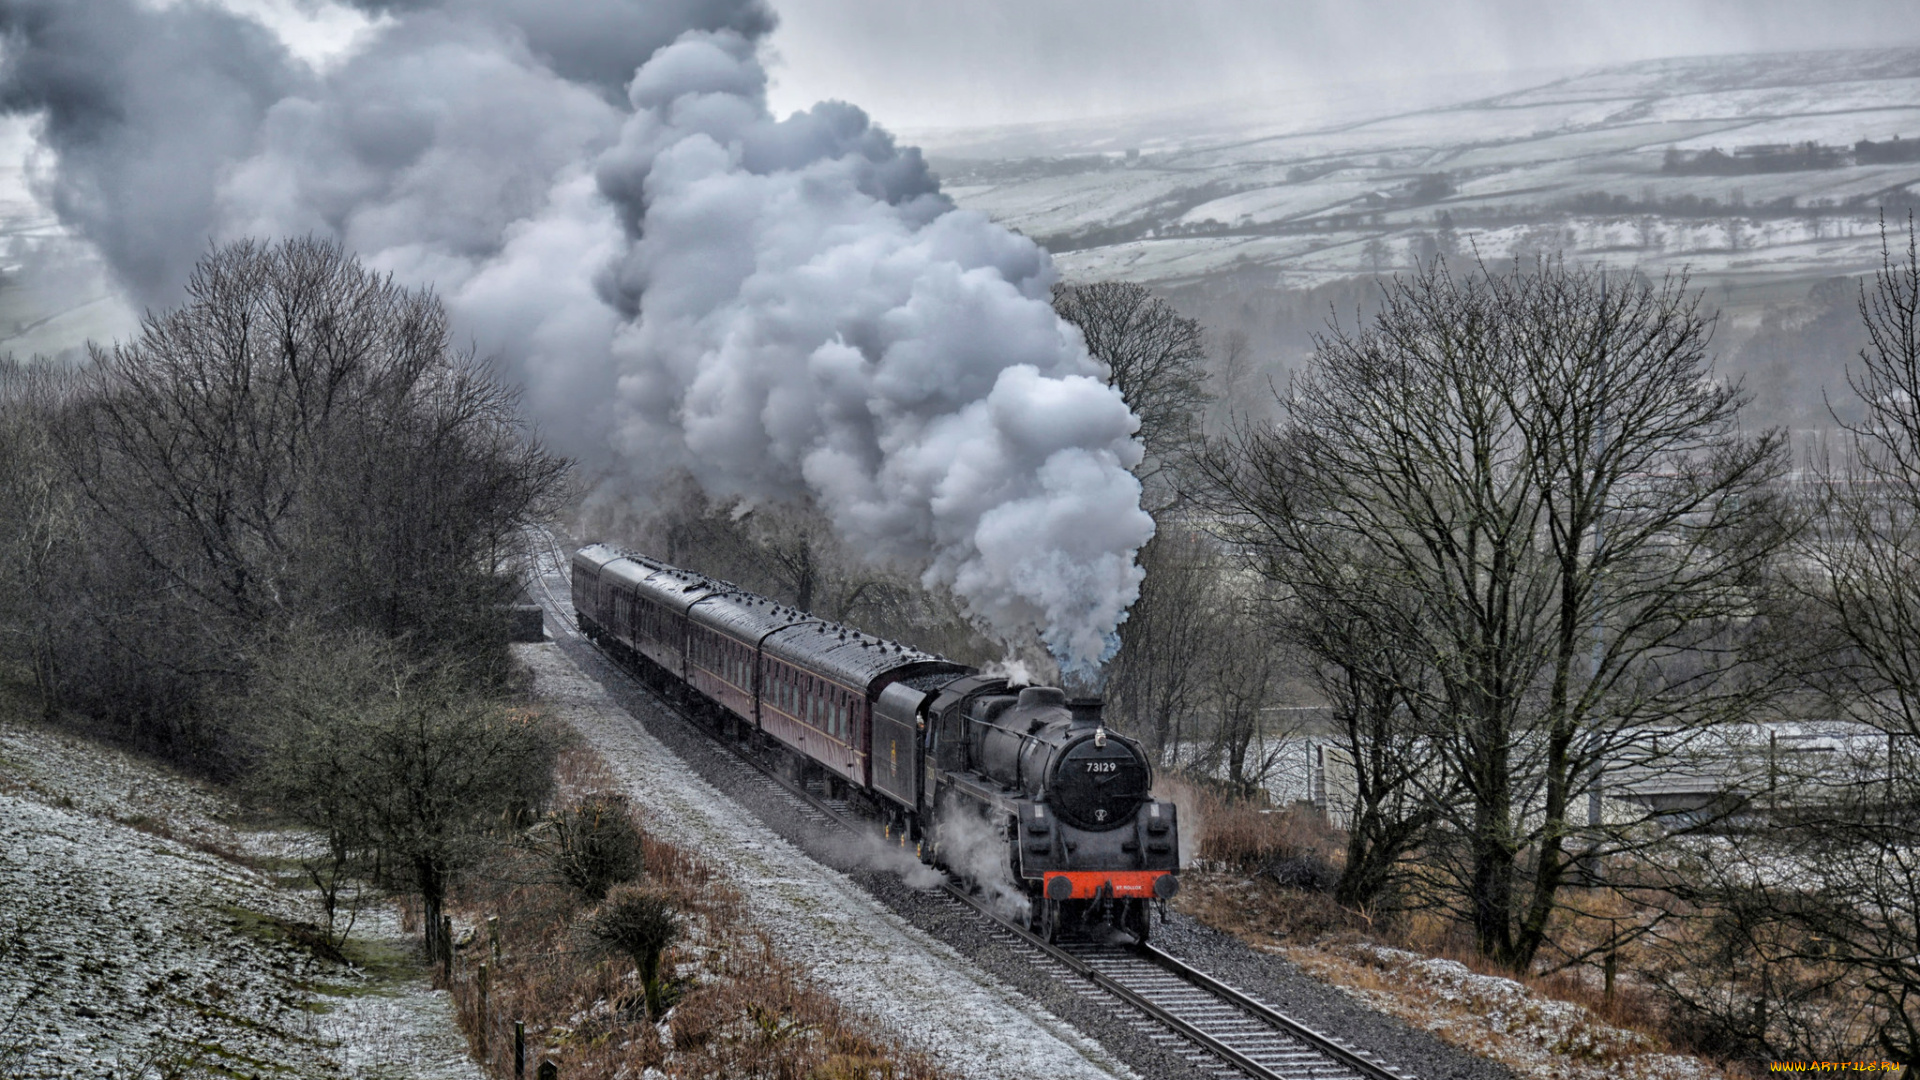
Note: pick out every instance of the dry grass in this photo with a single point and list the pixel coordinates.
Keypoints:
(1248, 883)
(737, 1008)
(1514, 1022)
(1251, 838)
(1263, 913)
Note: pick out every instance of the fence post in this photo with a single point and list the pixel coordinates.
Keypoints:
(493, 936)
(519, 1050)
(446, 949)
(481, 978)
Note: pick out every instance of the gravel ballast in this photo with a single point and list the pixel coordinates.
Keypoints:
(1280, 984)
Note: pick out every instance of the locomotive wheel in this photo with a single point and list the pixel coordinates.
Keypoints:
(1136, 919)
(1050, 919)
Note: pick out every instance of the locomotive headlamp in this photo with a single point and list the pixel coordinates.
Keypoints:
(1100, 738)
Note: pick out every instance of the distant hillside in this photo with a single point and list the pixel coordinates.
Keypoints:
(1759, 173)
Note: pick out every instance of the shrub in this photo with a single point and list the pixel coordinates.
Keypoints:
(593, 845)
(1252, 839)
(641, 923)
(404, 767)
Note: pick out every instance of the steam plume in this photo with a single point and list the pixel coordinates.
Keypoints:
(783, 307)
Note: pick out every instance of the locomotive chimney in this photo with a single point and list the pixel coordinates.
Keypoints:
(1085, 712)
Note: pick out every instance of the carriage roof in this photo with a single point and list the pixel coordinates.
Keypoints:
(840, 653)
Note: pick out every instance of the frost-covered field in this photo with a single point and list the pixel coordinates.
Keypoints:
(138, 939)
(1515, 161)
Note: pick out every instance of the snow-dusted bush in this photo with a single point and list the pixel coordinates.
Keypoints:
(592, 845)
(641, 923)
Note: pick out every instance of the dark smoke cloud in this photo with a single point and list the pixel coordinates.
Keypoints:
(599, 42)
(144, 109)
(785, 307)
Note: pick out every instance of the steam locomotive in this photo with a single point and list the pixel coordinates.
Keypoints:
(932, 748)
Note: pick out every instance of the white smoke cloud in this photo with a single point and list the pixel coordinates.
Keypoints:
(976, 849)
(782, 307)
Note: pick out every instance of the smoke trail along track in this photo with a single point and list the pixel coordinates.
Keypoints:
(1207, 1022)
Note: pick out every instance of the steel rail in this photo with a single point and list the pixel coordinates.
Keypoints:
(1339, 1055)
(1319, 1040)
(1125, 993)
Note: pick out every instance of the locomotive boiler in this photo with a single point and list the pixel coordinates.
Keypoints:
(939, 752)
(1085, 837)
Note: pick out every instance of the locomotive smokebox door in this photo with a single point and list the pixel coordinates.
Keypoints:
(896, 755)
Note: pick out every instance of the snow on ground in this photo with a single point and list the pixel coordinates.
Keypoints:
(1525, 158)
(1537, 1037)
(139, 938)
(868, 958)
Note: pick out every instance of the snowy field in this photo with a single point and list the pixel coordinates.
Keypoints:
(1523, 158)
(139, 938)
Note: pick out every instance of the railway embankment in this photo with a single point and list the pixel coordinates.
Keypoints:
(911, 986)
(147, 930)
(1293, 946)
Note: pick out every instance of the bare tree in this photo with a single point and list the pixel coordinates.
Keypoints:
(1352, 633)
(1155, 357)
(1857, 909)
(1156, 682)
(40, 525)
(405, 766)
(1241, 676)
(1542, 469)
(299, 441)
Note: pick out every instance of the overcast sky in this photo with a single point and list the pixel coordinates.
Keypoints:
(936, 63)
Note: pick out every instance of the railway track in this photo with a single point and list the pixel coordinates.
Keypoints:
(1215, 1027)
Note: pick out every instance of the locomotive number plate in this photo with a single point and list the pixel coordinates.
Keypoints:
(1103, 766)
